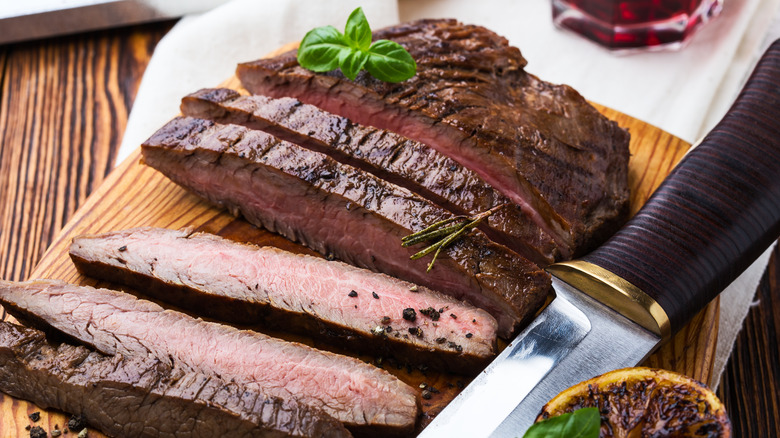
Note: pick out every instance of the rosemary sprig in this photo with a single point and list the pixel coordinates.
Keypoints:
(445, 232)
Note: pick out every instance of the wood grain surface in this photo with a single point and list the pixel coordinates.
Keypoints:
(63, 109)
(54, 153)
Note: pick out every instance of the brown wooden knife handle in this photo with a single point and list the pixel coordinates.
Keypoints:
(716, 212)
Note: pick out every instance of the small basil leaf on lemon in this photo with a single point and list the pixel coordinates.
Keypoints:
(582, 423)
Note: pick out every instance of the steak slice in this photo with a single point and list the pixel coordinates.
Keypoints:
(146, 397)
(407, 163)
(341, 211)
(358, 394)
(248, 285)
(472, 100)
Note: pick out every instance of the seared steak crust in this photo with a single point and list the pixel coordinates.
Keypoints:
(248, 285)
(472, 100)
(363, 397)
(389, 156)
(146, 397)
(340, 210)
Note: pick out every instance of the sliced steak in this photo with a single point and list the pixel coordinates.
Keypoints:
(407, 163)
(355, 393)
(248, 285)
(146, 397)
(341, 211)
(472, 100)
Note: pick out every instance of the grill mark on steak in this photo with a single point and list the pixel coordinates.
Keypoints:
(512, 184)
(389, 156)
(359, 395)
(350, 214)
(139, 396)
(249, 285)
(472, 100)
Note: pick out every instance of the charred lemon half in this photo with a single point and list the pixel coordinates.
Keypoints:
(646, 403)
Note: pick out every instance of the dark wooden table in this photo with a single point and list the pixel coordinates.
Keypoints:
(63, 109)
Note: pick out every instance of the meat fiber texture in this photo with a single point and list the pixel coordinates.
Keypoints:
(389, 156)
(249, 285)
(358, 394)
(541, 145)
(342, 211)
(146, 397)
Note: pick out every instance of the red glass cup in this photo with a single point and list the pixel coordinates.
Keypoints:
(635, 24)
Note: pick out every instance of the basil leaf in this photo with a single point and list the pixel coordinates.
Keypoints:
(388, 61)
(582, 423)
(352, 62)
(325, 48)
(357, 30)
(321, 49)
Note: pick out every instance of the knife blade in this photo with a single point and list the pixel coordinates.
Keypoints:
(35, 19)
(564, 343)
(716, 212)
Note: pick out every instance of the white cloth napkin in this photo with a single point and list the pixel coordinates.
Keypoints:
(684, 92)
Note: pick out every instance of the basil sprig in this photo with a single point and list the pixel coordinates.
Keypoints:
(582, 423)
(325, 49)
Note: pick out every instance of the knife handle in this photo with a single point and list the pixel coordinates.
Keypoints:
(716, 212)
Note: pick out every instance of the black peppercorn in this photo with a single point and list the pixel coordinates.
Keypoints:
(417, 331)
(432, 313)
(77, 423)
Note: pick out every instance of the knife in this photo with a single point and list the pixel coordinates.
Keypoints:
(35, 19)
(715, 213)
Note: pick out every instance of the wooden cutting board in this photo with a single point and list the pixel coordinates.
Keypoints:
(135, 195)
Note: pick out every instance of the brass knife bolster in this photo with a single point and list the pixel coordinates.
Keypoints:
(615, 293)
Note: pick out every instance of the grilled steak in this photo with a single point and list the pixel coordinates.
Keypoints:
(472, 100)
(247, 285)
(146, 397)
(340, 210)
(359, 395)
(396, 159)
